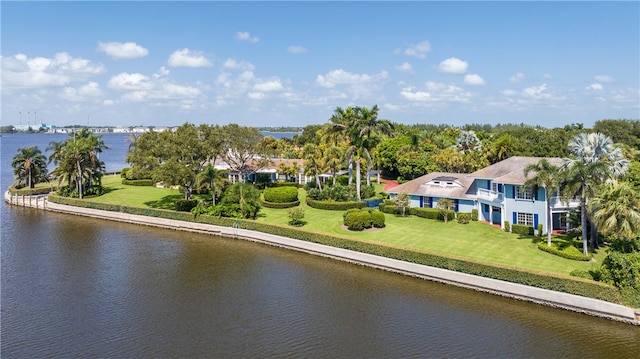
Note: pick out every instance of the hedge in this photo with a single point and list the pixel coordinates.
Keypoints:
(431, 213)
(140, 182)
(185, 205)
(377, 219)
(285, 194)
(279, 205)
(284, 184)
(31, 191)
(334, 206)
(570, 252)
(522, 229)
(567, 285)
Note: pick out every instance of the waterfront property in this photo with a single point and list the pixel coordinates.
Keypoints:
(497, 192)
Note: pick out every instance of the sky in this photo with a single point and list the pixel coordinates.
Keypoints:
(159, 63)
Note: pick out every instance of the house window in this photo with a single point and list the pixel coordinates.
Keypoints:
(525, 219)
(494, 187)
(523, 192)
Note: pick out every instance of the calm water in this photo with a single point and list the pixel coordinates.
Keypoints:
(79, 287)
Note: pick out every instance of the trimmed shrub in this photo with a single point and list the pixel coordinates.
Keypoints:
(569, 252)
(377, 219)
(539, 229)
(286, 194)
(334, 206)
(507, 226)
(431, 213)
(185, 205)
(357, 220)
(284, 184)
(347, 212)
(522, 229)
(140, 182)
(278, 205)
(25, 191)
(464, 218)
(474, 214)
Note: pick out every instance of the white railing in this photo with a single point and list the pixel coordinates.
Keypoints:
(557, 202)
(490, 195)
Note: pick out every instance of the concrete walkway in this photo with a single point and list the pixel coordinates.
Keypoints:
(567, 301)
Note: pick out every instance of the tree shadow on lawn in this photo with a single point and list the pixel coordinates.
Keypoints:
(560, 241)
(166, 202)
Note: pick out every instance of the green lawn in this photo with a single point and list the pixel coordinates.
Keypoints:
(474, 241)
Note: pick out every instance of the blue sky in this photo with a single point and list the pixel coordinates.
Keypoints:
(292, 63)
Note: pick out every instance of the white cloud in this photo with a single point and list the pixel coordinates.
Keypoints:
(405, 67)
(436, 92)
(127, 81)
(19, 71)
(604, 78)
(255, 95)
(537, 92)
(86, 92)
(418, 50)
(296, 50)
(120, 50)
(268, 86)
(453, 65)
(519, 77)
(473, 79)
(235, 65)
(341, 77)
(596, 87)
(188, 58)
(245, 36)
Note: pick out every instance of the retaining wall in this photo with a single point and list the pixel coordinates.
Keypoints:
(567, 301)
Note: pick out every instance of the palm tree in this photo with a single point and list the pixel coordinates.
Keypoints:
(333, 158)
(213, 179)
(547, 176)
(468, 141)
(29, 166)
(596, 161)
(615, 209)
(312, 154)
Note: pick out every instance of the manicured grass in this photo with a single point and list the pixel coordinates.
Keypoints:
(474, 241)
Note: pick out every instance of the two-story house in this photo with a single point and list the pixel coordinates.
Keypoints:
(496, 191)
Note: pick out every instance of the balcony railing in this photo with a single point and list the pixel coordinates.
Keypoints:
(489, 195)
(557, 202)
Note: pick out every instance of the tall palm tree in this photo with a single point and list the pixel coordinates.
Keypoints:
(333, 158)
(595, 161)
(616, 210)
(312, 154)
(213, 179)
(29, 166)
(547, 176)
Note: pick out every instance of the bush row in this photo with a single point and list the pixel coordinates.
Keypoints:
(334, 206)
(185, 205)
(432, 213)
(285, 194)
(284, 184)
(360, 219)
(279, 205)
(566, 285)
(522, 229)
(139, 182)
(570, 252)
(31, 191)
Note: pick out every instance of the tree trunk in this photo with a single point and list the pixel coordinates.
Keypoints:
(594, 236)
(549, 224)
(583, 222)
(358, 178)
(79, 180)
(350, 170)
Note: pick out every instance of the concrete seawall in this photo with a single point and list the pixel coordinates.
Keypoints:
(567, 301)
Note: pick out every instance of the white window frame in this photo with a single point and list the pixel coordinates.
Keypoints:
(494, 187)
(523, 192)
(525, 218)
